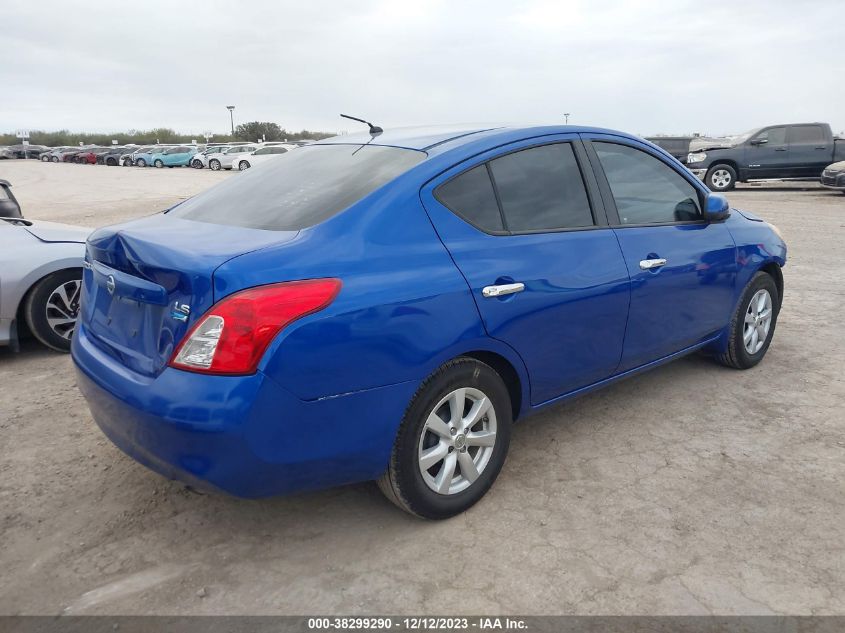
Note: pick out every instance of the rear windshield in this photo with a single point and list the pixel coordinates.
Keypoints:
(300, 188)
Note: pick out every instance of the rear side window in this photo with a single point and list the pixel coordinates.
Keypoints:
(301, 188)
(807, 134)
(646, 190)
(541, 188)
(471, 196)
(538, 189)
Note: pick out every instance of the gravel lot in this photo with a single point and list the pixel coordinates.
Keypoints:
(692, 489)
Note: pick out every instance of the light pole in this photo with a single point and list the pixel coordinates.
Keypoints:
(566, 114)
(231, 118)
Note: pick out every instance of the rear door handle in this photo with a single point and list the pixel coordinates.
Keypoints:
(503, 289)
(651, 264)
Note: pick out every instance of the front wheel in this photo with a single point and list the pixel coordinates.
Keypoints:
(243, 165)
(140, 163)
(451, 443)
(158, 164)
(52, 306)
(214, 164)
(196, 164)
(55, 159)
(721, 178)
(753, 324)
(45, 158)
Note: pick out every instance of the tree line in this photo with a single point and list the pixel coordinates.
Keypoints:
(252, 131)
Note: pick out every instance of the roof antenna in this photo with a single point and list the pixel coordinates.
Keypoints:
(374, 129)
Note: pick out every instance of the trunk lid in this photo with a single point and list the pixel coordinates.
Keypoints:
(146, 282)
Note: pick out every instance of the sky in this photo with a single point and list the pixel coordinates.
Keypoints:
(670, 67)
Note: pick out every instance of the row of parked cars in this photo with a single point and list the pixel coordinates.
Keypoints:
(218, 156)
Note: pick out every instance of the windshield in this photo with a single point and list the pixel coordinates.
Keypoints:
(741, 138)
(299, 189)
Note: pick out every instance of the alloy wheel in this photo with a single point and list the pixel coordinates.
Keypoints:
(758, 321)
(457, 441)
(62, 308)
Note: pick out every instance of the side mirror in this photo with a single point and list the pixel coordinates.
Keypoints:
(9, 207)
(716, 208)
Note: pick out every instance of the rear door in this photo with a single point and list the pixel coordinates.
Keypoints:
(810, 149)
(682, 268)
(525, 226)
(767, 154)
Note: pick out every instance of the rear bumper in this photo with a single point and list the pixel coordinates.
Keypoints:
(243, 435)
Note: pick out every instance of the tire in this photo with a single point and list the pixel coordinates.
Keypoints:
(54, 159)
(243, 165)
(411, 488)
(158, 164)
(720, 177)
(196, 164)
(140, 163)
(111, 162)
(51, 307)
(45, 158)
(745, 349)
(214, 164)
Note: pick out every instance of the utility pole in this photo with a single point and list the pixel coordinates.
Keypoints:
(231, 118)
(566, 115)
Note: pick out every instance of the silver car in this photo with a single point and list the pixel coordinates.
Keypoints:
(40, 279)
(224, 160)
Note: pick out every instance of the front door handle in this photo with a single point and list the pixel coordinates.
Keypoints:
(651, 264)
(780, 149)
(502, 289)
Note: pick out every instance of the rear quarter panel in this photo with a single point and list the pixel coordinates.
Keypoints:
(403, 310)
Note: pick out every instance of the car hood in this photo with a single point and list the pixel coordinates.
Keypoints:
(55, 232)
(840, 166)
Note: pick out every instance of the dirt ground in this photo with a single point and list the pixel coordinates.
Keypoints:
(692, 489)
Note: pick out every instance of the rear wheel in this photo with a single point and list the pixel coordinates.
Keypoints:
(452, 442)
(52, 306)
(214, 164)
(721, 178)
(45, 158)
(55, 159)
(196, 164)
(243, 165)
(111, 162)
(753, 324)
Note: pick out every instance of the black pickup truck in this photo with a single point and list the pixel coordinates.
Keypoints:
(797, 150)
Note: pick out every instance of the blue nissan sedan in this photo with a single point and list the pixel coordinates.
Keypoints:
(385, 306)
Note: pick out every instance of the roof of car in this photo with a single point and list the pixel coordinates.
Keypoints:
(443, 138)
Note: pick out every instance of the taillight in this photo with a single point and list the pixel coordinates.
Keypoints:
(233, 335)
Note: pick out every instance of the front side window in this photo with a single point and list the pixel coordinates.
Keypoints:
(261, 152)
(645, 189)
(772, 136)
(301, 188)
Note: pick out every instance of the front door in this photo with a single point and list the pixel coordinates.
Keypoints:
(767, 154)
(682, 268)
(546, 272)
